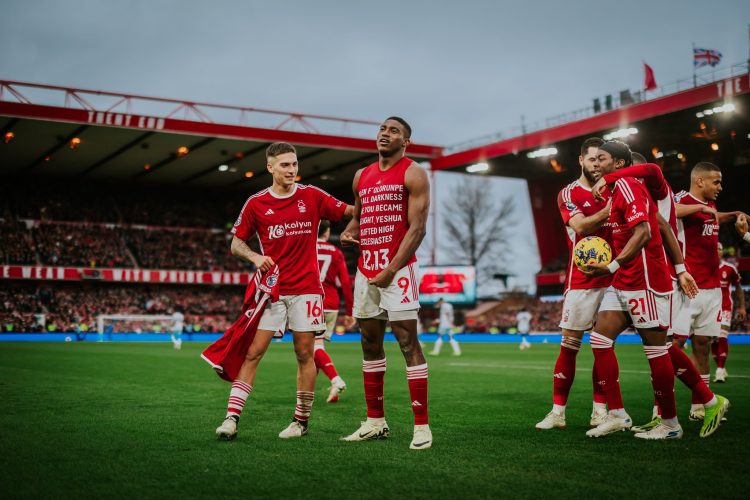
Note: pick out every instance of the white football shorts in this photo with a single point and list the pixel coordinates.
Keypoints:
(304, 313)
(579, 308)
(698, 316)
(645, 308)
(401, 295)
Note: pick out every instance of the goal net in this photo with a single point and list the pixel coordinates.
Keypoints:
(137, 323)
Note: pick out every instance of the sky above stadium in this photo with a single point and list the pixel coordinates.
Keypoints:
(455, 70)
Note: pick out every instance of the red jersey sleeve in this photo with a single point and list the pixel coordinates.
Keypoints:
(345, 282)
(330, 208)
(652, 176)
(634, 202)
(244, 227)
(566, 205)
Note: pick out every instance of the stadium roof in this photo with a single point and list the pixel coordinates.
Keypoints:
(127, 137)
(667, 121)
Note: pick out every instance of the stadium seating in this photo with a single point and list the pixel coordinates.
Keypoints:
(68, 306)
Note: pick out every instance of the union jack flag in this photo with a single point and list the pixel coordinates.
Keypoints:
(706, 57)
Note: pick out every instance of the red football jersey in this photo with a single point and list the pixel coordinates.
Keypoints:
(334, 275)
(632, 205)
(728, 277)
(699, 236)
(659, 189)
(288, 231)
(383, 221)
(573, 199)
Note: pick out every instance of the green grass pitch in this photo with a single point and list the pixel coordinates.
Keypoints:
(128, 420)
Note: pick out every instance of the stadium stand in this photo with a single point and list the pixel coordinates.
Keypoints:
(67, 307)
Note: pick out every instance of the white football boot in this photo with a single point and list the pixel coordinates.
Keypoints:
(370, 429)
(336, 390)
(228, 429)
(609, 425)
(661, 431)
(422, 438)
(721, 375)
(697, 414)
(294, 430)
(597, 417)
(551, 421)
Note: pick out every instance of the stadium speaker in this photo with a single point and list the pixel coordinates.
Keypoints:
(608, 102)
(597, 105)
(626, 98)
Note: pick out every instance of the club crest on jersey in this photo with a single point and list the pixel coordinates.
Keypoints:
(301, 206)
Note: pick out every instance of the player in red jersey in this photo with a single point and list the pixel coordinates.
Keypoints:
(583, 216)
(639, 295)
(698, 229)
(728, 277)
(285, 217)
(392, 198)
(685, 287)
(333, 275)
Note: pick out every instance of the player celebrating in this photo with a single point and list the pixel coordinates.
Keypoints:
(583, 216)
(285, 217)
(333, 275)
(445, 328)
(698, 226)
(392, 198)
(639, 294)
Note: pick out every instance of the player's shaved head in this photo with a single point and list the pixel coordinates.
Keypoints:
(702, 168)
(407, 127)
(705, 181)
(279, 148)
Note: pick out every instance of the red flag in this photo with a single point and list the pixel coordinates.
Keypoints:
(649, 81)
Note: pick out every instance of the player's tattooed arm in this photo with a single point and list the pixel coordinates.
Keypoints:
(418, 186)
(350, 234)
(672, 247)
(241, 250)
(584, 226)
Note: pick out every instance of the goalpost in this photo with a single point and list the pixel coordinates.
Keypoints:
(135, 323)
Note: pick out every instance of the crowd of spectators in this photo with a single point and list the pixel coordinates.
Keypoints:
(29, 307)
(16, 244)
(89, 246)
(108, 245)
(175, 249)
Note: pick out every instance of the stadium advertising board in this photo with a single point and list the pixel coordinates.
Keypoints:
(454, 284)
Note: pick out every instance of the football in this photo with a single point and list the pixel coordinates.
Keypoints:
(591, 250)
